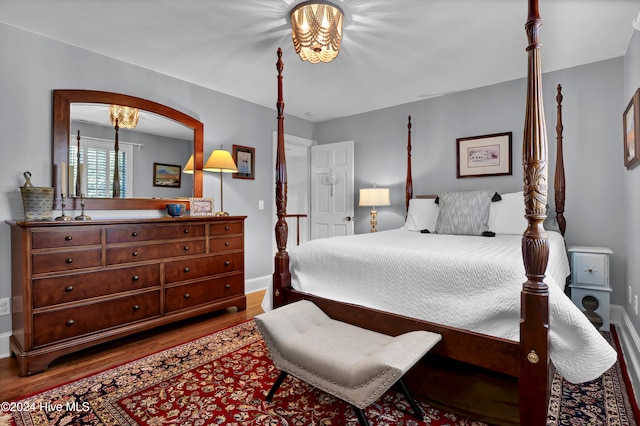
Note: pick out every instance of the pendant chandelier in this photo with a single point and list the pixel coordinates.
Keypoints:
(316, 29)
(126, 117)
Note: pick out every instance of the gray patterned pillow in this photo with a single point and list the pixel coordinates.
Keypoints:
(464, 213)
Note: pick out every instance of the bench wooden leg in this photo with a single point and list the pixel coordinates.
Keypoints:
(417, 412)
(362, 419)
(283, 375)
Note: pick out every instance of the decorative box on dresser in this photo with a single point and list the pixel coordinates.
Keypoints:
(590, 290)
(77, 284)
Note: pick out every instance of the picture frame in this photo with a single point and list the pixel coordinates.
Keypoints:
(631, 127)
(485, 155)
(245, 159)
(201, 207)
(167, 175)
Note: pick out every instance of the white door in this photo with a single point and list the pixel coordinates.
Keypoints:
(332, 194)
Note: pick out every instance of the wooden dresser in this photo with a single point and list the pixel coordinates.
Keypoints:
(76, 284)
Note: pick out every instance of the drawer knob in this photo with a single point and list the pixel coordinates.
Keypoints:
(186, 231)
(187, 295)
(135, 278)
(227, 286)
(134, 234)
(590, 269)
(227, 262)
(69, 260)
(136, 307)
(226, 244)
(68, 238)
(186, 248)
(68, 288)
(226, 228)
(186, 269)
(70, 322)
(134, 254)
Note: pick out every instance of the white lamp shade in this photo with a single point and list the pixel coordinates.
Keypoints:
(220, 161)
(188, 168)
(374, 197)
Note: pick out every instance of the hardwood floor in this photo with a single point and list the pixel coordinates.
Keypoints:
(74, 366)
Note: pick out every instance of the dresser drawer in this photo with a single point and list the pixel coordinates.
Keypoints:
(591, 269)
(188, 269)
(67, 237)
(66, 323)
(225, 228)
(188, 295)
(67, 260)
(154, 232)
(138, 253)
(225, 244)
(70, 288)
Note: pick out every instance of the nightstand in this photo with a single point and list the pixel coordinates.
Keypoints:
(590, 290)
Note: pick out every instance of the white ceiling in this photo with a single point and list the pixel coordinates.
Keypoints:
(393, 51)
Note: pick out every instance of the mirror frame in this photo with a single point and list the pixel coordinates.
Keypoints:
(62, 100)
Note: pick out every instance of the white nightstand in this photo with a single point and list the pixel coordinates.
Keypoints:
(590, 290)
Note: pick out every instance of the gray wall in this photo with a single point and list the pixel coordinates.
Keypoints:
(33, 66)
(595, 175)
(632, 181)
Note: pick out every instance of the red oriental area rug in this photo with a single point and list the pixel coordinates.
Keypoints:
(222, 379)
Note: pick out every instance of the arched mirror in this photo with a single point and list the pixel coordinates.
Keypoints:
(152, 154)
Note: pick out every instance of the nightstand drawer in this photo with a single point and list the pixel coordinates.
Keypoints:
(591, 269)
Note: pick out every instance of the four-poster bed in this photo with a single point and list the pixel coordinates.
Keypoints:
(489, 378)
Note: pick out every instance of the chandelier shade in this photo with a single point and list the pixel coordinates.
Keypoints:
(316, 29)
(127, 117)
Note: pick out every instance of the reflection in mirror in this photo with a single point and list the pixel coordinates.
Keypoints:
(154, 139)
(84, 141)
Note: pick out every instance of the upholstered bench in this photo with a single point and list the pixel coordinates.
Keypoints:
(348, 362)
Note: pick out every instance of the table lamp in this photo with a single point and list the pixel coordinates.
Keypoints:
(220, 161)
(374, 197)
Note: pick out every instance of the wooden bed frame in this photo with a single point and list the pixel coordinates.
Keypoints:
(487, 378)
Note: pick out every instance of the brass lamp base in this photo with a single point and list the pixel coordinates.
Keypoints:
(222, 214)
(374, 221)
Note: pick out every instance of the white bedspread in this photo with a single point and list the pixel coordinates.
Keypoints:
(472, 283)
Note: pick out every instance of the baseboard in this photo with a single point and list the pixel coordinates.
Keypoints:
(5, 351)
(257, 284)
(630, 342)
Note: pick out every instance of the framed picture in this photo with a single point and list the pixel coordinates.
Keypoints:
(245, 158)
(201, 207)
(486, 155)
(631, 123)
(167, 175)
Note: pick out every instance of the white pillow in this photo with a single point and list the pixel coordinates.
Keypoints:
(507, 216)
(423, 214)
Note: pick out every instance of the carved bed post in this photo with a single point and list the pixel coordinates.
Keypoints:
(534, 315)
(281, 274)
(559, 181)
(409, 184)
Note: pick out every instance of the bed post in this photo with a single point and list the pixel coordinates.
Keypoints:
(534, 311)
(559, 182)
(409, 185)
(281, 274)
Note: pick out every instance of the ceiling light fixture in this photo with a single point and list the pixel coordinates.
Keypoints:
(316, 29)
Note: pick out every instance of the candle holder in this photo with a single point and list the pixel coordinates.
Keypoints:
(64, 204)
(82, 215)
